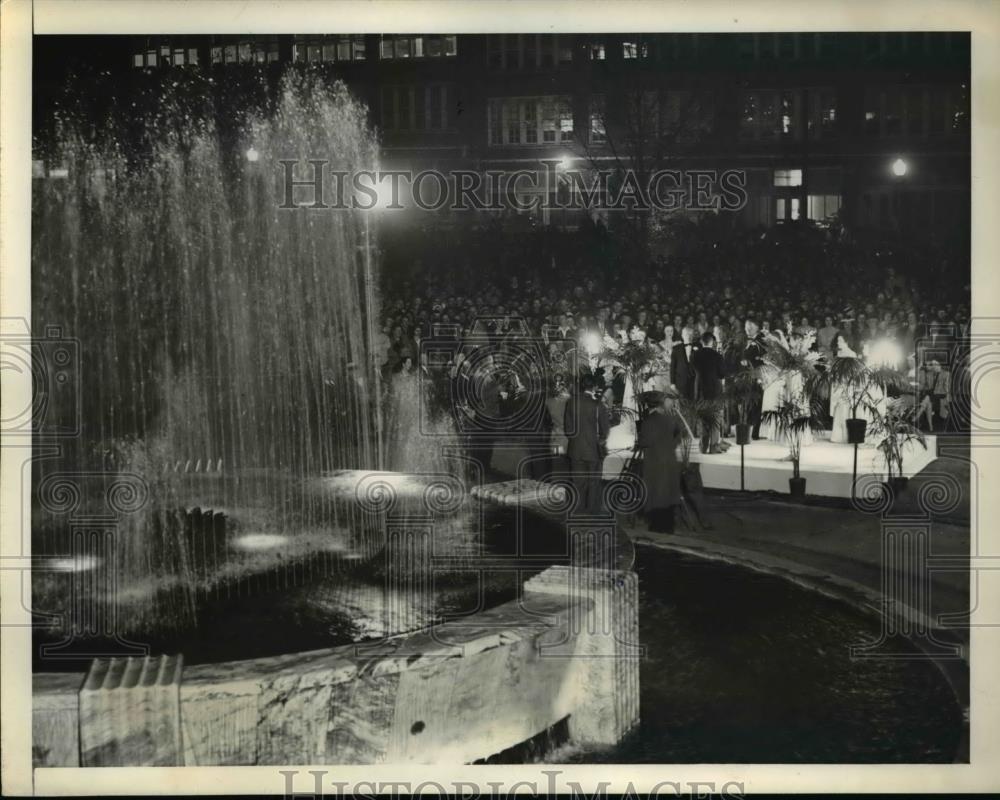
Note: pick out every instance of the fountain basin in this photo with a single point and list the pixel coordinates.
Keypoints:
(458, 692)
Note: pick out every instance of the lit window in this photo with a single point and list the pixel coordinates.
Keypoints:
(216, 55)
(597, 133)
(633, 49)
(529, 120)
(823, 206)
(596, 51)
(192, 56)
(788, 177)
(138, 60)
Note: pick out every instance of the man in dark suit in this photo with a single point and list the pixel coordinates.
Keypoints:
(753, 356)
(681, 372)
(709, 369)
(586, 424)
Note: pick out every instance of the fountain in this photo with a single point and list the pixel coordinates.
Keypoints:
(225, 497)
(223, 354)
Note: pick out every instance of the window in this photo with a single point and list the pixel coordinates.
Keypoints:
(393, 47)
(596, 51)
(529, 120)
(161, 52)
(321, 49)
(635, 49)
(822, 112)
(564, 48)
(527, 51)
(788, 177)
(787, 209)
(822, 206)
(415, 108)
(771, 114)
(598, 134)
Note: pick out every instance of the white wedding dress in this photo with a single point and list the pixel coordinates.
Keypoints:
(622, 435)
(840, 409)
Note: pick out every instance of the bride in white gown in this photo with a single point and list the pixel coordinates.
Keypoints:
(840, 400)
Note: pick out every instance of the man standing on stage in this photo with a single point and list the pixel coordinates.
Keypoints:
(681, 372)
(709, 368)
(753, 356)
(586, 424)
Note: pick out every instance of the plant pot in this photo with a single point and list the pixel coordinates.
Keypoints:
(856, 430)
(897, 485)
(797, 487)
(742, 433)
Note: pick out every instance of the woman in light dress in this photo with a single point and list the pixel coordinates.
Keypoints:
(772, 381)
(840, 401)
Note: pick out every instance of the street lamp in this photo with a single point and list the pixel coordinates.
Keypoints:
(899, 167)
(252, 154)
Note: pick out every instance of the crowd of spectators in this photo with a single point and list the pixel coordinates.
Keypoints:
(558, 289)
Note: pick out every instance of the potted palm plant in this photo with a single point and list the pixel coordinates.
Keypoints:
(690, 413)
(896, 431)
(860, 382)
(741, 387)
(789, 423)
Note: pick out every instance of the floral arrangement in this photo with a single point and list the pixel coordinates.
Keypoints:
(639, 358)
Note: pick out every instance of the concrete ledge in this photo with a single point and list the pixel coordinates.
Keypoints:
(455, 693)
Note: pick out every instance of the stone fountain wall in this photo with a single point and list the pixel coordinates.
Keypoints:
(462, 691)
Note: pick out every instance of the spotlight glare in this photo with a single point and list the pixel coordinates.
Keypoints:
(592, 342)
(885, 353)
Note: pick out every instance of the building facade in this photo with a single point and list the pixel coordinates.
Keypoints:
(873, 127)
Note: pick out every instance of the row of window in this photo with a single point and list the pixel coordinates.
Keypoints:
(687, 116)
(310, 49)
(406, 46)
(416, 108)
(541, 51)
(156, 55)
(530, 120)
(328, 49)
(916, 110)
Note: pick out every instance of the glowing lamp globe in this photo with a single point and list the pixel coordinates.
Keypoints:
(899, 167)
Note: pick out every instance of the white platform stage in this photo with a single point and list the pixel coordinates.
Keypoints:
(826, 467)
